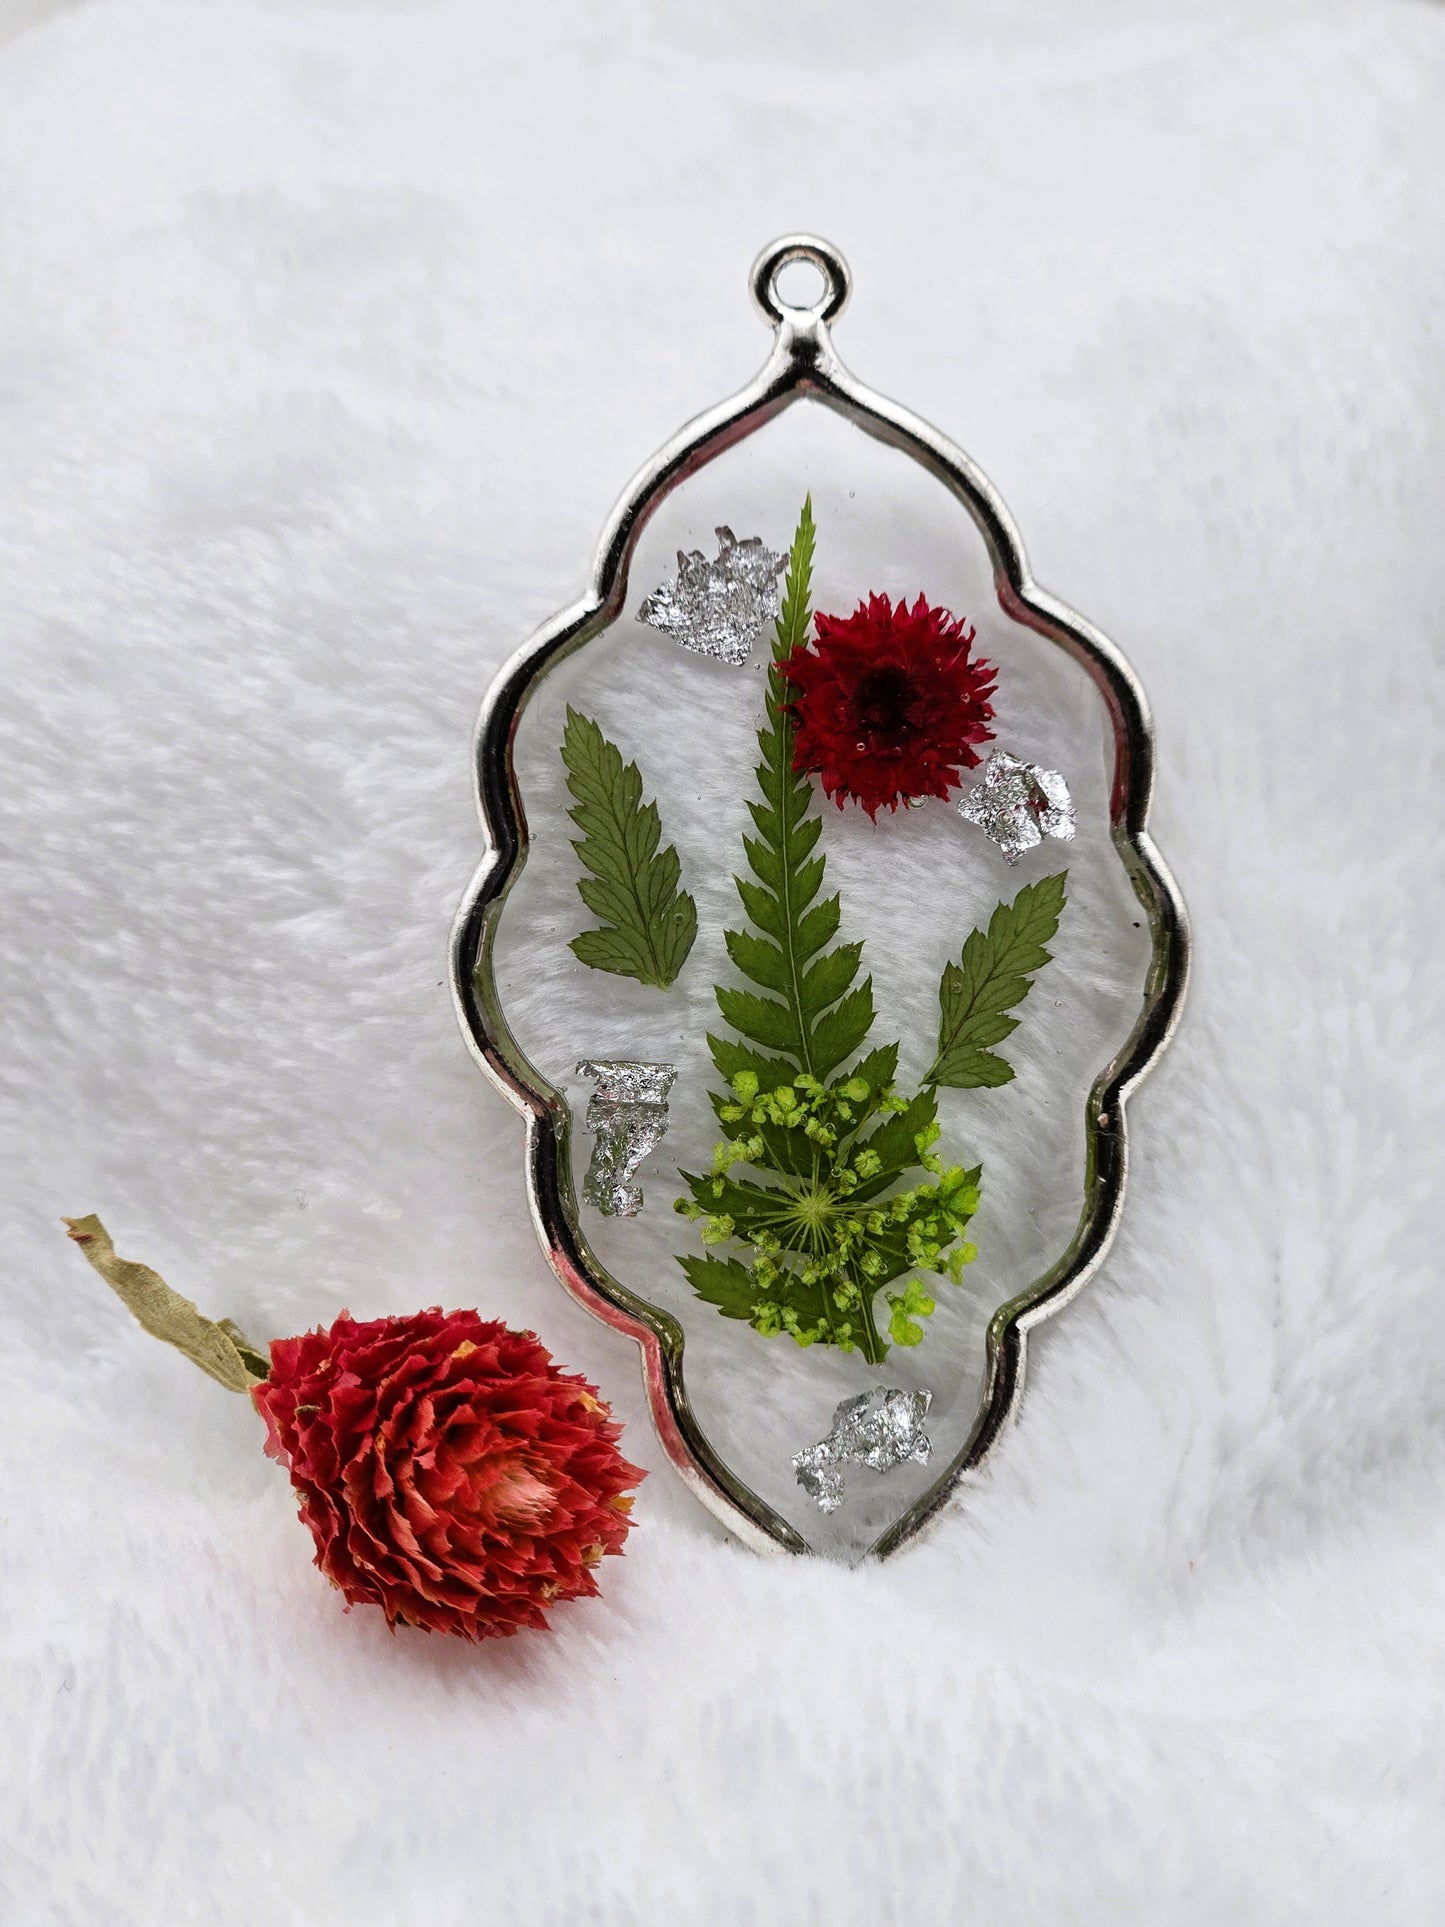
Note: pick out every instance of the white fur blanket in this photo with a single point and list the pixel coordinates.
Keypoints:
(328, 333)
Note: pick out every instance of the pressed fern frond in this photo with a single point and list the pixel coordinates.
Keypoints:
(993, 975)
(648, 923)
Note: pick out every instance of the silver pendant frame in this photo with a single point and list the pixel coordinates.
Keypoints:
(804, 365)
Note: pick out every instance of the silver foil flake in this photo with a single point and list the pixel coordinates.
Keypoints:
(1018, 804)
(718, 608)
(879, 1429)
(628, 1111)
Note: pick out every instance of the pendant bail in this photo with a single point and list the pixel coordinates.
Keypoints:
(818, 253)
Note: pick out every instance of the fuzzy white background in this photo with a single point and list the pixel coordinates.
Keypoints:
(328, 333)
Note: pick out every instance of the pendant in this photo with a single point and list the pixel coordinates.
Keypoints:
(819, 940)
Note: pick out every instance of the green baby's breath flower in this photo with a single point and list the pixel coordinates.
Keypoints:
(911, 1303)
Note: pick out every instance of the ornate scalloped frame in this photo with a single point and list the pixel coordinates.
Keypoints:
(803, 365)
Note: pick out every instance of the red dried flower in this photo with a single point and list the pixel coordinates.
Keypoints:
(889, 703)
(449, 1472)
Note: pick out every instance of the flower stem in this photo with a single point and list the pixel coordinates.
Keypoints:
(873, 1347)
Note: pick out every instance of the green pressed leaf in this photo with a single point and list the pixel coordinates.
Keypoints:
(723, 1282)
(731, 1287)
(895, 1143)
(648, 922)
(975, 1070)
(992, 977)
(735, 1060)
(841, 1032)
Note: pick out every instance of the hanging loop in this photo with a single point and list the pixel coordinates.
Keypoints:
(820, 254)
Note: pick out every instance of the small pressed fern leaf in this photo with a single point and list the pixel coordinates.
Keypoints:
(648, 922)
(991, 978)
